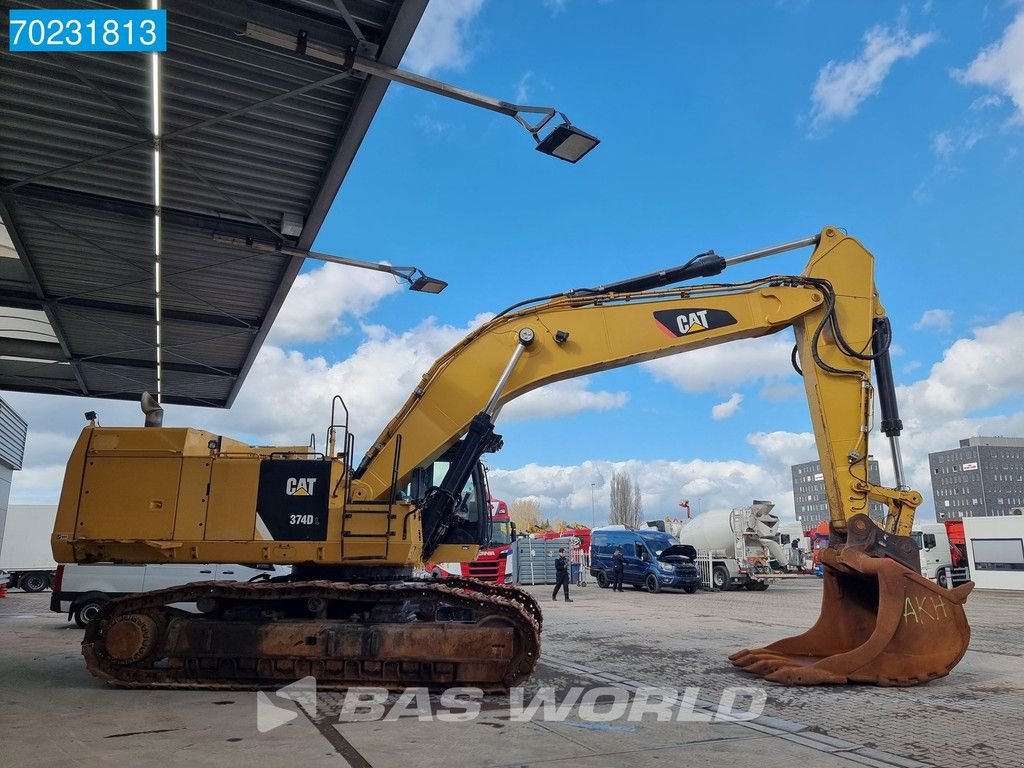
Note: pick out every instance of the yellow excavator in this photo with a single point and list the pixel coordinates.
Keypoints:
(351, 612)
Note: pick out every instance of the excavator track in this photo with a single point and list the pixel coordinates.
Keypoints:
(525, 600)
(248, 636)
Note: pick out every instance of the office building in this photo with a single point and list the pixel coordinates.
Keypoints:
(809, 494)
(984, 477)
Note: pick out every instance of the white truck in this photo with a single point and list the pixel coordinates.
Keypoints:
(736, 543)
(933, 542)
(81, 590)
(782, 543)
(25, 548)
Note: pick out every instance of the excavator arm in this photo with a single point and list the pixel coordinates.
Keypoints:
(881, 621)
(833, 307)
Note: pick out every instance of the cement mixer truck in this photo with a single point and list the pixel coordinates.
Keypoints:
(738, 543)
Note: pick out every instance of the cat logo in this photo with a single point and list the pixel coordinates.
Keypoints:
(691, 322)
(300, 486)
(677, 323)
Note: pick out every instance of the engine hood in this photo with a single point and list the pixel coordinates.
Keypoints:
(678, 552)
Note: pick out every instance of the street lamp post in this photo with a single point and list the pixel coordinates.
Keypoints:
(565, 141)
(593, 507)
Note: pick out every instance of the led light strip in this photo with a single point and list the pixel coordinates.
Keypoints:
(155, 5)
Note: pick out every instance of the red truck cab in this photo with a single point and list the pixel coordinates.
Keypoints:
(492, 563)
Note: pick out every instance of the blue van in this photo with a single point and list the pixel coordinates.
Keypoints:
(652, 560)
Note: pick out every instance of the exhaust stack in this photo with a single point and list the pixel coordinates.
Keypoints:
(154, 413)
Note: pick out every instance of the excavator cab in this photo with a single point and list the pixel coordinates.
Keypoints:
(470, 519)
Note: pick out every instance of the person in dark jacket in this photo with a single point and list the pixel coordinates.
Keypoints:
(618, 566)
(561, 575)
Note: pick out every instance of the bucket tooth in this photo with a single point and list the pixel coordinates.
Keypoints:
(880, 623)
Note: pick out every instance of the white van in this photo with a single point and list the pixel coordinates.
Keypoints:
(81, 590)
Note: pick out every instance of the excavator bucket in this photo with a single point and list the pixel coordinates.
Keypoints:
(880, 623)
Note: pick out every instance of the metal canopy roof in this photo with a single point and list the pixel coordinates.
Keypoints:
(250, 133)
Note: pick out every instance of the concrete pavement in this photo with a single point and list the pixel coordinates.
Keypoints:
(53, 714)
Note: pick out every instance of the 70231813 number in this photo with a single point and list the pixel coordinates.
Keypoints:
(109, 31)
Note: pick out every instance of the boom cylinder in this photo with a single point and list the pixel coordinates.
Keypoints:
(891, 425)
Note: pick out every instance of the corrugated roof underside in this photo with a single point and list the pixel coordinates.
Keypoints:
(230, 171)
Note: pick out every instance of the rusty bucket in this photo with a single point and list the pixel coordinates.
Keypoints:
(880, 623)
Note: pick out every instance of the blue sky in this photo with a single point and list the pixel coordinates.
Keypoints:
(724, 125)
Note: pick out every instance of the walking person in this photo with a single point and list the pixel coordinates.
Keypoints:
(796, 556)
(618, 566)
(561, 575)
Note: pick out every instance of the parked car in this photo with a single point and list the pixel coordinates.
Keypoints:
(81, 590)
(652, 560)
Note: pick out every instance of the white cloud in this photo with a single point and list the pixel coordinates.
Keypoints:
(565, 491)
(522, 95)
(940, 319)
(563, 398)
(431, 125)
(842, 87)
(441, 40)
(374, 381)
(1000, 67)
(724, 367)
(942, 144)
(783, 449)
(947, 143)
(922, 193)
(779, 391)
(727, 409)
(974, 374)
(556, 7)
(320, 298)
(985, 102)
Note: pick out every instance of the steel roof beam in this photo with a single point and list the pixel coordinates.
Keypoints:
(133, 362)
(192, 220)
(31, 350)
(24, 300)
(30, 269)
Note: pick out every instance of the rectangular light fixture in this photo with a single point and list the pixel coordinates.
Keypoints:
(425, 284)
(566, 142)
(291, 224)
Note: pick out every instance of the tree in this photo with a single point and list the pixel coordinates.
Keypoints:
(527, 515)
(625, 504)
(637, 507)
